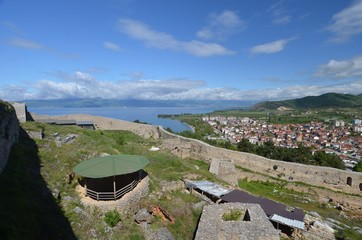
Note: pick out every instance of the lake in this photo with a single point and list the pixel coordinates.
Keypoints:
(143, 114)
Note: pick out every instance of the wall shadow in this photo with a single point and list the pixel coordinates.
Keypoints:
(28, 209)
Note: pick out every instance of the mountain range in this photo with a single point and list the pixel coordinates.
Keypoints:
(328, 100)
(102, 103)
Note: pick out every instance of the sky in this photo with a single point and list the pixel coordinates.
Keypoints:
(179, 50)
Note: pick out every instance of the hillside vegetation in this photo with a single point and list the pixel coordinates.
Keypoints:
(313, 102)
(38, 201)
(5, 108)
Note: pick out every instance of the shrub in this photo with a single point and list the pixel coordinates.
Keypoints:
(233, 215)
(121, 140)
(112, 218)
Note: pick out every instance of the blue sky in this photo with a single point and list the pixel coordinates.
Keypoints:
(162, 50)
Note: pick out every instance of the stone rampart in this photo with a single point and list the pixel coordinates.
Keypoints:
(9, 132)
(103, 123)
(20, 109)
(127, 204)
(332, 178)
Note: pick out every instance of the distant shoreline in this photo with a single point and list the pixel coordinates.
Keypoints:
(149, 114)
(191, 127)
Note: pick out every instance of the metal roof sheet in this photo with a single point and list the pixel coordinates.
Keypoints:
(210, 187)
(269, 206)
(110, 165)
(287, 221)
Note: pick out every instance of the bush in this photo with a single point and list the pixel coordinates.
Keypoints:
(112, 218)
(233, 215)
(358, 167)
(121, 140)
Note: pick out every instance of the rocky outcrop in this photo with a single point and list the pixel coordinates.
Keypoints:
(9, 132)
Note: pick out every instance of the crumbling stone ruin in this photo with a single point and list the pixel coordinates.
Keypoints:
(21, 111)
(225, 170)
(252, 224)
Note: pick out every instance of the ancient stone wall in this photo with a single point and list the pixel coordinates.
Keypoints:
(253, 223)
(103, 123)
(20, 109)
(336, 179)
(9, 132)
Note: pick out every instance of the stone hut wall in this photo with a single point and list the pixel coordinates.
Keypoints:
(253, 224)
(127, 204)
(332, 178)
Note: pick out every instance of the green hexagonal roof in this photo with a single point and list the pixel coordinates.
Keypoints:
(111, 165)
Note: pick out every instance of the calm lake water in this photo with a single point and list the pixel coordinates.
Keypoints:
(143, 114)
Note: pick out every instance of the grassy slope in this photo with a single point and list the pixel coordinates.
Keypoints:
(28, 210)
(37, 168)
(5, 108)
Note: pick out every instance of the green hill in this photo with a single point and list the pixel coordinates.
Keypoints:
(323, 101)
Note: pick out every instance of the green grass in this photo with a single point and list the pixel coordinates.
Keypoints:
(233, 215)
(112, 218)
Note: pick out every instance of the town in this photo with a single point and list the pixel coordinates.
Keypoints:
(339, 137)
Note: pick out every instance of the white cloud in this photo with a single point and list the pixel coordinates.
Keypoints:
(76, 85)
(15, 92)
(11, 26)
(341, 69)
(221, 26)
(77, 76)
(161, 40)
(24, 43)
(347, 23)
(271, 47)
(112, 46)
(279, 13)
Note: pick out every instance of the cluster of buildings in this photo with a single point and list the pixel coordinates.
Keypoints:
(337, 138)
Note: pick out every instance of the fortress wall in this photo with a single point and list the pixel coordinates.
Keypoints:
(103, 123)
(20, 109)
(336, 179)
(9, 133)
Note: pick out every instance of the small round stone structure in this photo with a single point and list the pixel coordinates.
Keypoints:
(111, 177)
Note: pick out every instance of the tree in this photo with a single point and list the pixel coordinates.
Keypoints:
(329, 160)
(245, 146)
(266, 150)
(358, 167)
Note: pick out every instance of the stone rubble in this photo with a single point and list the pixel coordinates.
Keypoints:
(159, 234)
(143, 215)
(69, 138)
(316, 228)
